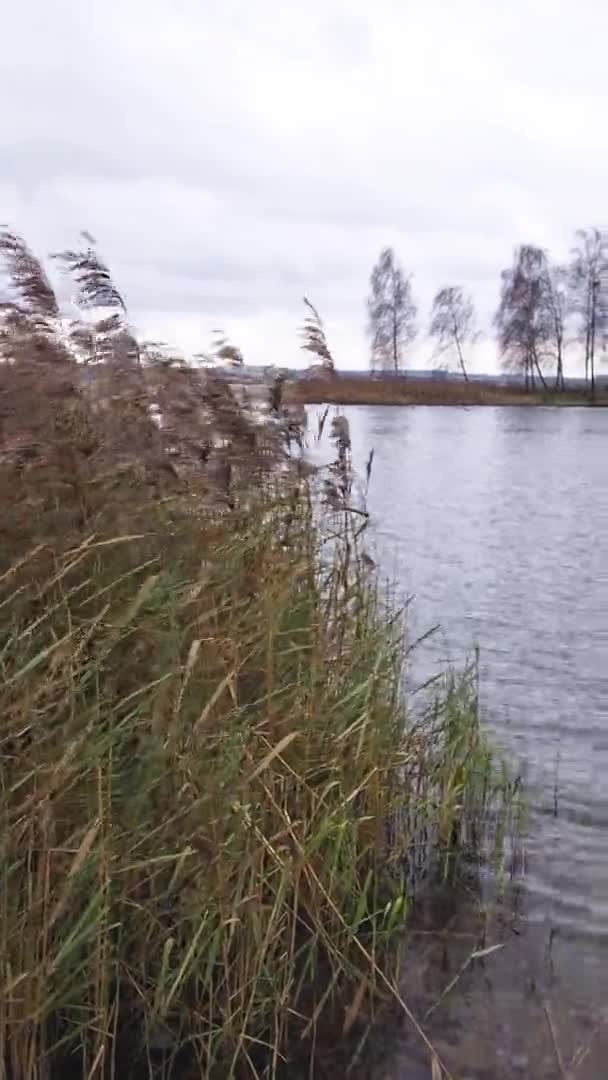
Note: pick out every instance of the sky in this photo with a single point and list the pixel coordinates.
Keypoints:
(230, 157)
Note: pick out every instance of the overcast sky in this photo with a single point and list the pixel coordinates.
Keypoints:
(230, 156)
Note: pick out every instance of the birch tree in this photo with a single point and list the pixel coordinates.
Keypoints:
(392, 314)
(453, 323)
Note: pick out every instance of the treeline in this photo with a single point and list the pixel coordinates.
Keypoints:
(544, 307)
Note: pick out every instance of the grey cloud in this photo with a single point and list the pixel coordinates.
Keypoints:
(229, 161)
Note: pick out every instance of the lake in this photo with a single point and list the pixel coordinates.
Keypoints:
(495, 522)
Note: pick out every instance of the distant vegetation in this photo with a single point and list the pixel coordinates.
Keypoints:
(362, 389)
(544, 308)
(215, 804)
(392, 313)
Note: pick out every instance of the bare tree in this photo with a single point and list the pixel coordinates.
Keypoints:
(589, 284)
(392, 313)
(521, 319)
(453, 322)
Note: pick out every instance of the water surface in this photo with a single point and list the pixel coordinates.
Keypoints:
(496, 522)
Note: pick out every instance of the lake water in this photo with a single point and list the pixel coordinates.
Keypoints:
(496, 522)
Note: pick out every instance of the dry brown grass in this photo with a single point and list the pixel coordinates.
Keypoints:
(79, 445)
(342, 390)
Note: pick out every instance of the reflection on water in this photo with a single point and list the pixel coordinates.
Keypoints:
(496, 521)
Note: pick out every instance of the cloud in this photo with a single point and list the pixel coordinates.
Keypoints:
(230, 157)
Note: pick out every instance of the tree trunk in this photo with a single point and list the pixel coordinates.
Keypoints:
(559, 374)
(592, 337)
(539, 370)
(530, 379)
(588, 323)
(587, 356)
(460, 356)
(395, 351)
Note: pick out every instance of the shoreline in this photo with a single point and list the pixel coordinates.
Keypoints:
(338, 390)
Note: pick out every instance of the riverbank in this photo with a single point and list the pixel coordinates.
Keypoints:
(344, 390)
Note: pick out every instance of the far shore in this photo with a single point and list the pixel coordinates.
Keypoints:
(339, 389)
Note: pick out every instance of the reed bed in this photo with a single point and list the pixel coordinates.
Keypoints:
(214, 802)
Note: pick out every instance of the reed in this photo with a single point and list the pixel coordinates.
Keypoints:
(213, 797)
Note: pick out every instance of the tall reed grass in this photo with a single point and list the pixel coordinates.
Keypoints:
(213, 800)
